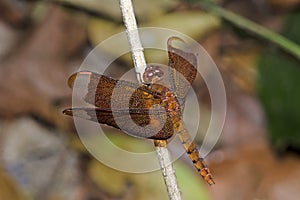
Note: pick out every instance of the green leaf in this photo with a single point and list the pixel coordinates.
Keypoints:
(279, 91)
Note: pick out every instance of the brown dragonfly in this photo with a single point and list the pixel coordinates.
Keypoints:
(150, 121)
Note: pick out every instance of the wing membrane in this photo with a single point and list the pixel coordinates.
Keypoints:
(103, 92)
(143, 127)
(184, 65)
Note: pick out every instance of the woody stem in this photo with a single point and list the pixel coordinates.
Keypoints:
(140, 65)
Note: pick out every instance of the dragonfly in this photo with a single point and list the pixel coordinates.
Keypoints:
(150, 121)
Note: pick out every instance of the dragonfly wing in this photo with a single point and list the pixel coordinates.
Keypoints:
(184, 65)
(105, 92)
(105, 117)
(152, 124)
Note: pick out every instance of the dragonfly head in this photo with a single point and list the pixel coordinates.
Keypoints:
(153, 74)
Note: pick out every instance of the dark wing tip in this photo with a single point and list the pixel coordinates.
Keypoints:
(71, 80)
(172, 39)
(68, 111)
(73, 77)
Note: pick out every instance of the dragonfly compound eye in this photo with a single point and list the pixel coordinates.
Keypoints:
(152, 74)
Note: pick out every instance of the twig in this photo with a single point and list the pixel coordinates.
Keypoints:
(167, 169)
(137, 50)
(246, 24)
(140, 65)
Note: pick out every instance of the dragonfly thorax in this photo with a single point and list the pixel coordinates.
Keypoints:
(171, 103)
(168, 99)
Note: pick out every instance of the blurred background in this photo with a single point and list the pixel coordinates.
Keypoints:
(42, 42)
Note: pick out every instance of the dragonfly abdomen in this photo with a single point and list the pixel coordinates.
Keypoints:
(193, 152)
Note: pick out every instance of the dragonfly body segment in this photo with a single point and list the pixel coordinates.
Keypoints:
(172, 106)
(193, 152)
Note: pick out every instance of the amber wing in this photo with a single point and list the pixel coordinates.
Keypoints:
(111, 98)
(184, 69)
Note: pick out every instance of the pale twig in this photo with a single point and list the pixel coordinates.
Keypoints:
(140, 65)
(167, 169)
(137, 50)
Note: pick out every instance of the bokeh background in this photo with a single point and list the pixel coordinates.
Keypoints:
(43, 42)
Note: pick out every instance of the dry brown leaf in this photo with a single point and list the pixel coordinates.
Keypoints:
(36, 72)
